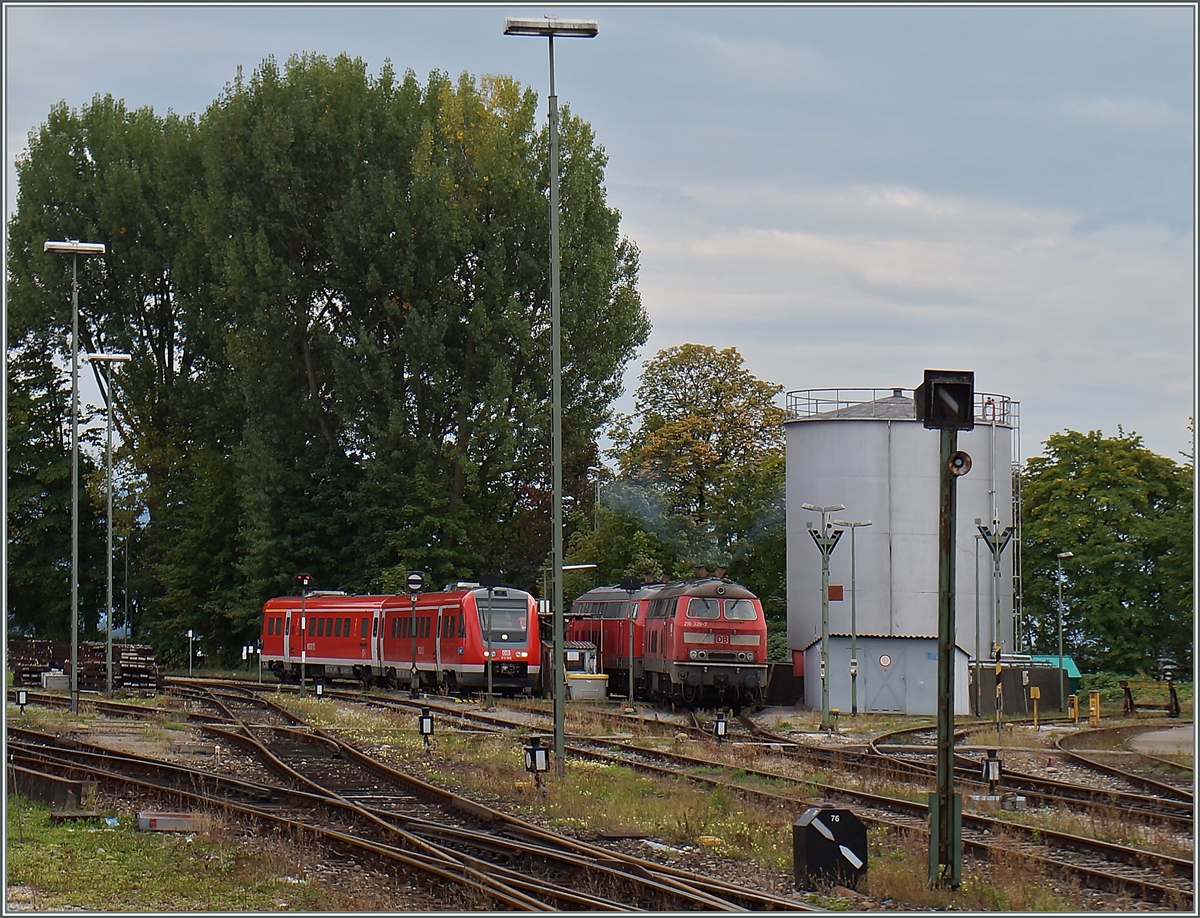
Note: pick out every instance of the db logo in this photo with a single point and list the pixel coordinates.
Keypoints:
(722, 638)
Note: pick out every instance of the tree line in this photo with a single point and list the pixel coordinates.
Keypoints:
(334, 287)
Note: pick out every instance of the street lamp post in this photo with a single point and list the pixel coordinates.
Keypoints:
(109, 358)
(857, 524)
(75, 248)
(978, 661)
(997, 540)
(1062, 679)
(548, 28)
(189, 653)
(826, 541)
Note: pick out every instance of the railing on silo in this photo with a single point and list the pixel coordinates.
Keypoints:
(860, 403)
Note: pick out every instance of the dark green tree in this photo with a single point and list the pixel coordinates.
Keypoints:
(1126, 514)
(335, 289)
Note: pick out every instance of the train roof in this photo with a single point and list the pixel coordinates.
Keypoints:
(329, 599)
(700, 586)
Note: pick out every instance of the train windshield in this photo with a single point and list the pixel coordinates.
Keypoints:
(740, 610)
(510, 617)
(703, 608)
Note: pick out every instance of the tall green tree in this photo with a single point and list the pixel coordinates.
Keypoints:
(335, 289)
(706, 440)
(1126, 514)
(700, 477)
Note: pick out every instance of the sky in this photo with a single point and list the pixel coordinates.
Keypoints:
(847, 195)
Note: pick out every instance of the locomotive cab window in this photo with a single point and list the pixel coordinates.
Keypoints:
(740, 610)
(510, 618)
(699, 607)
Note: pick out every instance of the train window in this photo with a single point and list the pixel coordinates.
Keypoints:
(375, 628)
(287, 626)
(740, 610)
(364, 630)
(660, 608)
(346, 626)
(320, 627)
(462, 626)
(337, 627)
(699, 607)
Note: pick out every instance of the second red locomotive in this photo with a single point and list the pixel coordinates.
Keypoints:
(702, 640)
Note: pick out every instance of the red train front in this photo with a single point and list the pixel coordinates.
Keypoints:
(438, 639)
(698, 641)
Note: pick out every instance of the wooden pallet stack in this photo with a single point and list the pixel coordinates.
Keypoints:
(28, 659)
(134, 666)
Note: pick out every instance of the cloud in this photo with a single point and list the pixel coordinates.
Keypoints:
(1132, 113)
(872, 283)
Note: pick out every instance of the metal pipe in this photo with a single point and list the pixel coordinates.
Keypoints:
(1062, 678)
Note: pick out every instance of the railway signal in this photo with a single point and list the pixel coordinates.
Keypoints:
(415, 581)
(425, 726)
(945, 402)
(537, 762)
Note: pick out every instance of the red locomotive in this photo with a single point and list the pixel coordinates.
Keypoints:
(696, 641)
(440, 640)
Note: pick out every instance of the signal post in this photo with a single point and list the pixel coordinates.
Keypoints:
(945, 402)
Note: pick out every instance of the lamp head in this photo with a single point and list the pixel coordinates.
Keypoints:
(551, 26)
(74, 247)
(1063, 555)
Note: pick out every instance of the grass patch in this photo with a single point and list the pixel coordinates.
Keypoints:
(96, 867)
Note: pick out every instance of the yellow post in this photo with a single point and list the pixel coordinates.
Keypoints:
(1035, 693)
(1093, 709)
(1073, 708)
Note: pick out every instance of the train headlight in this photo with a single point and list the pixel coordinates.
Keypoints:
(522, 654)
(750, 656)
(691, 654)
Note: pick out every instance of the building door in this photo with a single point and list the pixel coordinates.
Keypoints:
(884, 680)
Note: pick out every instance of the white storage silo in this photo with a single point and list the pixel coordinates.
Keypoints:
(865, 449)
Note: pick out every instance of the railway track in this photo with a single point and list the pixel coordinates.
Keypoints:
(337, 792)
(1137, 875)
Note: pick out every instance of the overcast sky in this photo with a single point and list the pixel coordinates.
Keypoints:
(846, 195)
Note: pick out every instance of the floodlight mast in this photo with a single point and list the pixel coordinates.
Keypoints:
(549, 27)
(117, 359)
(74, 248)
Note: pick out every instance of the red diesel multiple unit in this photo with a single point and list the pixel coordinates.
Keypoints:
(696, 641)
(439, 640)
